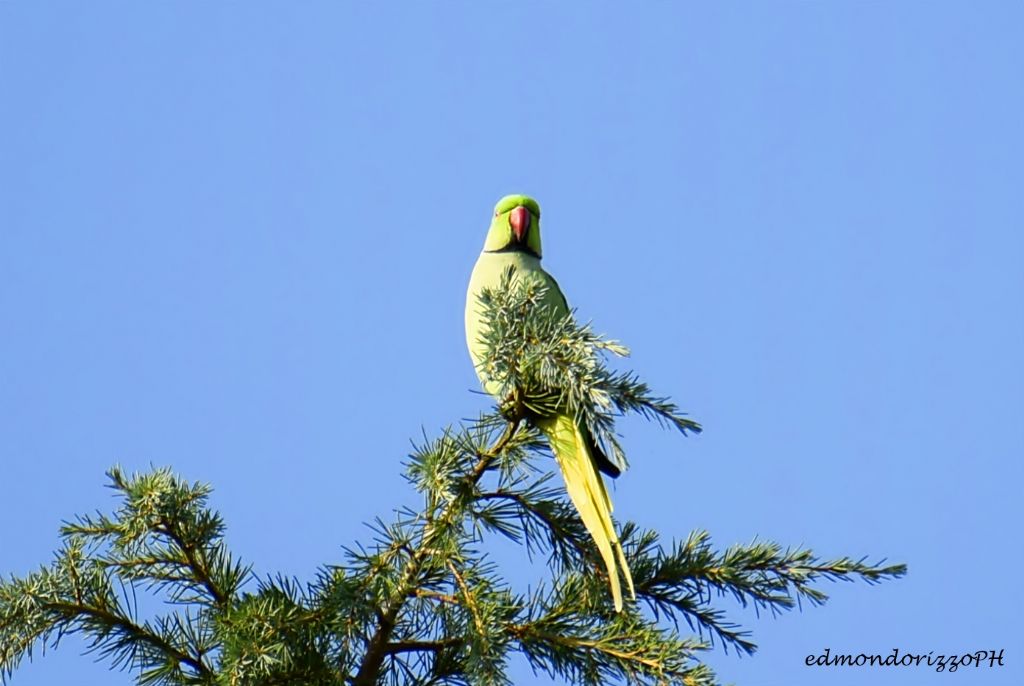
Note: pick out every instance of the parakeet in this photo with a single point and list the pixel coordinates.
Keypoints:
(513, 240)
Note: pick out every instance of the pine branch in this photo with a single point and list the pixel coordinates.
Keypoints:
(132, 633)
(275, 636)
(74, 595)
(565, 640)
(681, 581)
(377, 648)
(198, 571)
(165, 536)
(563, 528)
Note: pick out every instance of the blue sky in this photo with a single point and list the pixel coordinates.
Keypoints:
(236, 239)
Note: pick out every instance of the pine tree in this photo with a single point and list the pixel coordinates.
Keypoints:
(422, 603)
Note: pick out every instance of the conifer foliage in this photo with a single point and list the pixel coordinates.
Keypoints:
(422, 603)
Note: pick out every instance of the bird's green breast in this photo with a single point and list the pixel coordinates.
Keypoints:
(487, 273)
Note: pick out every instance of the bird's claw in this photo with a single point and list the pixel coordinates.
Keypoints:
(512, 407)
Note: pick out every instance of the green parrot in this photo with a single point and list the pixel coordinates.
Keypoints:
(513, 240)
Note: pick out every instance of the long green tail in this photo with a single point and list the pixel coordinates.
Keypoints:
(588, 493)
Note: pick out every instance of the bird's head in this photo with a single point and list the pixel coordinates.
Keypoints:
(515, 226)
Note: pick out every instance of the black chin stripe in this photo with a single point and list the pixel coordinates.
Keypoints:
(515, 247)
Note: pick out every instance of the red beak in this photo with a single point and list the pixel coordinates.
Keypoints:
(519, 220)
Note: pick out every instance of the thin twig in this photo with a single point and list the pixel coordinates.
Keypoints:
(200, 573)
(422, 646)
(139, 633)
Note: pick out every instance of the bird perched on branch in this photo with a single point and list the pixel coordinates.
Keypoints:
(513, 242)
